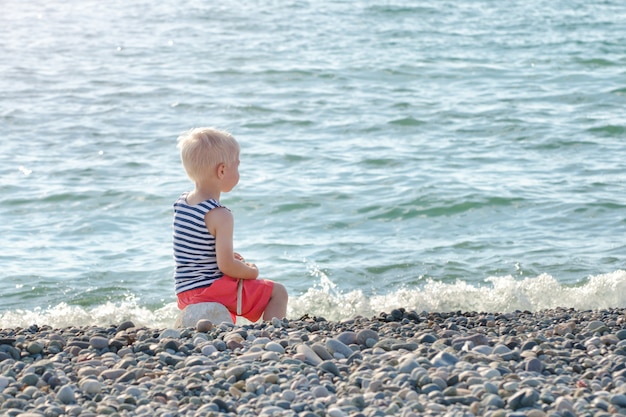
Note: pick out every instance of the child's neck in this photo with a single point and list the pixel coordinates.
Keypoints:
(200, 194)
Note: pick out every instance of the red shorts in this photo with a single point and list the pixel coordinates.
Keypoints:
(255, 295)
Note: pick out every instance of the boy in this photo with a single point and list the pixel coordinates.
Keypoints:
(207, 268)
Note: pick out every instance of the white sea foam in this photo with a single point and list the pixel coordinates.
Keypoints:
(499, 294)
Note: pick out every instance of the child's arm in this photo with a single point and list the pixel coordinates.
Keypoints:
(220, 224)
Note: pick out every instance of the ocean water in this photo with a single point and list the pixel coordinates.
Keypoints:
(434, 156)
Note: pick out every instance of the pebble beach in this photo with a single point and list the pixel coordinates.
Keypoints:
(560, 362)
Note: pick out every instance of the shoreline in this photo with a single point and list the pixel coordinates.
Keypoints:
(558, 362)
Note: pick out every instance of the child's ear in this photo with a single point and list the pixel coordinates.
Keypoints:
(221, 170)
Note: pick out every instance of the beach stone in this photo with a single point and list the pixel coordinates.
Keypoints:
(534, 365)
(204, 325)
(621, 335)
(476, 339)
(329, 366)
(410, 346)
(334, 411)
(562, 329)
(492, 400)
(407, 366)
(321, 351)
(483, 350)
(4, 382)
(524, 398)
(363, 335)
(609, 339)
(528, 345)
(169, 334)
(125, 326)
(270, 357)
(98, 342)
(310, 356)
(90, 386)
(34, 348)
(208, 349)
(428, 388)
(428, 338)
(112, 373)
(444, 359)
(320, 391)
(29, 379)
(334, 346)
(275, 347)
(66, 395)
(501, 349)
(597, 326)
(618, 400)
(216, 313)
(347, 338)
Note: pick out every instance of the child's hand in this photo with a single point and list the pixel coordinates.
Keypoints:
(239, 257)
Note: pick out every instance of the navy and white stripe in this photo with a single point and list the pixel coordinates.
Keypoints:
(194, 246)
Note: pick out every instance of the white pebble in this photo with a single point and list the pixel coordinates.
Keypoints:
(336, 412)
(208, 349)
(90, 386)
(275, 347)
(170, 334)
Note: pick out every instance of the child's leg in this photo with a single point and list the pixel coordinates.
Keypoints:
(277, 306)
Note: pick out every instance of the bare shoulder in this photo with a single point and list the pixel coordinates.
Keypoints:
(218, 218)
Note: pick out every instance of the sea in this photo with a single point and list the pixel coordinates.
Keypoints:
(465, 155)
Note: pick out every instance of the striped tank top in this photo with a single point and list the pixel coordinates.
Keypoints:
(194, 246)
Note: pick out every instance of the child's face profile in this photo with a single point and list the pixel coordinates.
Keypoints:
(231, 175)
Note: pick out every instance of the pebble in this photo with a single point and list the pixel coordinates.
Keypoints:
(90, 386)
(66, 395)
(364, 335)
(555, 362)
(534, 365)
(335, 347)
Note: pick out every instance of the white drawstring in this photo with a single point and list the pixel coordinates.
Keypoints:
(239, 292)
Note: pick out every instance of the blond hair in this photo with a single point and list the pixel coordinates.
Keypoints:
(204, 148)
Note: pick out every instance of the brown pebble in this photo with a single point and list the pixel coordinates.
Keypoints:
(204, 326)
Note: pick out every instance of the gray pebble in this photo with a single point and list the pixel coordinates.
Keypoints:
(534, 365)
(347, 338)
(444, 359)
(524, 398)
(66, 395)
(330, 366)
(321, 351)
(428, 388)
(427, 338)
(363, 335)
(34, 348)
(334, 346)
(320, 391)
(99, 342)
(618, 400)
(29, 379)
